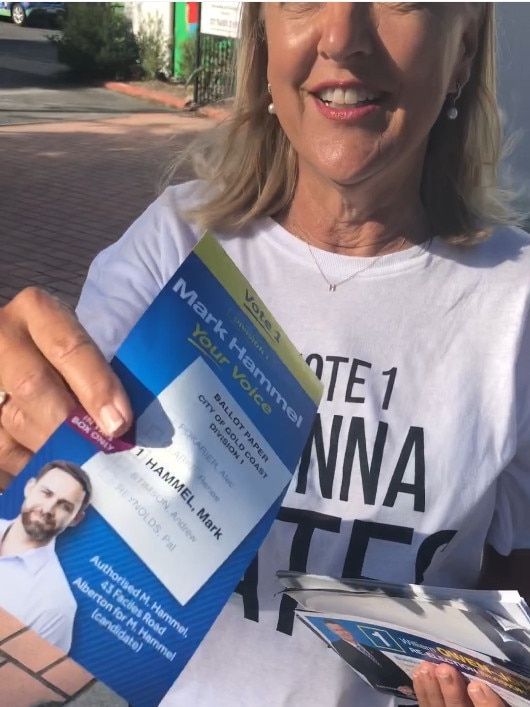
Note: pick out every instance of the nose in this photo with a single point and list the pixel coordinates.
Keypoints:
(48, 506)
(347, 29)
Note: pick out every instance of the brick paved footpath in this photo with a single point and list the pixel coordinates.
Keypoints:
(32, 670)
(68, 189)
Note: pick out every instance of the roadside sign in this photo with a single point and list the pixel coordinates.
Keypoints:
(220, 19)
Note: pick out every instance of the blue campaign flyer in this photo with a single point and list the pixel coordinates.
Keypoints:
(121, 553)
(387, 655)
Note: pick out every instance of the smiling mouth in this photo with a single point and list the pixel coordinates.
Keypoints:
(347, 97)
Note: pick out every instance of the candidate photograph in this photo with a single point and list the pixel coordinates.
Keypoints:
(33, 586)
(379, 670)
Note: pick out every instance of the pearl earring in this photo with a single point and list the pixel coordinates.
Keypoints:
(452, 111)
(271, 107)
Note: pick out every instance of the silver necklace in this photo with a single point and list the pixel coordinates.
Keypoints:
(333, 285)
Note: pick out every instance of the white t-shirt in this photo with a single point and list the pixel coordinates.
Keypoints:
(419, 454)
(33, 588)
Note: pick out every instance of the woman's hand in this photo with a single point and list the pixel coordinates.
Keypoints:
(47, 363)
(443, 686)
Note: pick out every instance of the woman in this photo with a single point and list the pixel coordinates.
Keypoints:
(355, 188)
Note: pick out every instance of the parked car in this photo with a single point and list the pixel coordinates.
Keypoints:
(20, 12)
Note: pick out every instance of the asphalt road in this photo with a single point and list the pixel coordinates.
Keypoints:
(34, 87)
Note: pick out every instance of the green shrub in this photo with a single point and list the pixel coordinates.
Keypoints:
(187, 57)
(97, 41)
(154, 48)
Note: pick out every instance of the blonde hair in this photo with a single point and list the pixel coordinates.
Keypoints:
(249, 168)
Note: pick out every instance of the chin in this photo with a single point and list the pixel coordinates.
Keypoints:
(345, 171)
(40, 534)
(349, 162)
(37, 530)
(343, 177)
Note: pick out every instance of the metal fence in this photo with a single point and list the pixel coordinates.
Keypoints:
(215, 77)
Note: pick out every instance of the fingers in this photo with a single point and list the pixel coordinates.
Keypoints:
(47, 361)
(13, 457)
(443, 686)
(39, 399)
(482, 696)
(68, 348)
(429, 691)
(73, 353)
(5, 480)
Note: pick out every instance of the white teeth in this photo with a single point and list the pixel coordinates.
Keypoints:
(326, 94)
(348, 97)
(338, 96)
(351, 96)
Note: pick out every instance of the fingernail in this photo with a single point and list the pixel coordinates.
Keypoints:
(477, 694)
(111, 420)
(445, 676)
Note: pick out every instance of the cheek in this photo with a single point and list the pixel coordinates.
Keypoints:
(291, 56)
(421, 100)
(421, 61)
